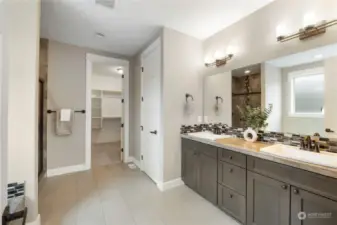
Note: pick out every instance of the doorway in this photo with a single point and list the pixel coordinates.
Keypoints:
(107, 113)
(151, 136)
(107, 106)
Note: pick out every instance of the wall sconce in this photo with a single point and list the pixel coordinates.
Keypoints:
(220, 62)
(187, 96)
(307, 32)
(217, 98)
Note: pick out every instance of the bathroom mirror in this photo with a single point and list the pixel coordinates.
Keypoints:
(295, 85)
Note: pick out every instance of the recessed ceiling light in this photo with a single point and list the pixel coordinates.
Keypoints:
(318, 56)
(100, 35)
(247, 72)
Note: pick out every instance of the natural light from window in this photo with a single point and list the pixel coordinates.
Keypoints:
(307, 94)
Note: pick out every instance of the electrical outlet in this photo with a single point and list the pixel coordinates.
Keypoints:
(199, 119)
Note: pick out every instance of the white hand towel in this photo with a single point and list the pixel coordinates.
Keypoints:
(65, 115)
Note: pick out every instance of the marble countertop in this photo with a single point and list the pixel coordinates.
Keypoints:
(253, 149)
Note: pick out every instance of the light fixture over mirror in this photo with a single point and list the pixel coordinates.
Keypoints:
(310, 29)
(219, 62)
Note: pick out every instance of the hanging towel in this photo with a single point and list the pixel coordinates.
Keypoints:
(64, 122)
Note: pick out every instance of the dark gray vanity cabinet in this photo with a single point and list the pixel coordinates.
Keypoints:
(199, 168)
(232, 183)
(268, 201)
(256, 191)
(189, 168)
(319, 210)
(207, 177)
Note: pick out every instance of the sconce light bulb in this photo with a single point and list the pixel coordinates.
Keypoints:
(231, 50)
(209, 60)
(280, 30)
(219, 54)
(309, 19)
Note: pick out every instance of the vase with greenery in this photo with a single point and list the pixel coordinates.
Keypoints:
(255, 117)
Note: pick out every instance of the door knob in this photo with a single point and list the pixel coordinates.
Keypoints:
(153, 132)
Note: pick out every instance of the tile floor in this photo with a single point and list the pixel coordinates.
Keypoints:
(113, 194)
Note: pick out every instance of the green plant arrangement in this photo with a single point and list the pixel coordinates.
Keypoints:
(255, 117)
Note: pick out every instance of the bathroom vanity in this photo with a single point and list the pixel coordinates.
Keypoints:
(257, 188)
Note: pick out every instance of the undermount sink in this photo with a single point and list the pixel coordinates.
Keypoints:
(289, 152)
(208, 135)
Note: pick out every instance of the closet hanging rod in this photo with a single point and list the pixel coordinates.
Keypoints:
(76, 111)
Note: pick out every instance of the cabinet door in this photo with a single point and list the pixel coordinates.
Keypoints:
(190, 168)
(268, 201)
(207, 180)
(315, 209)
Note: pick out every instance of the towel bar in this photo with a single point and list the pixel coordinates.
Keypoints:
(76, 111)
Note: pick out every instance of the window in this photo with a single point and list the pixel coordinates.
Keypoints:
(307, 92)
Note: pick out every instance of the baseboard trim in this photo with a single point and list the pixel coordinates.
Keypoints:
(170, 184)
(66, 170)
(37, 221)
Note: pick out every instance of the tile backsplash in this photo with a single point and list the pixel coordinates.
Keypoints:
(264, 136)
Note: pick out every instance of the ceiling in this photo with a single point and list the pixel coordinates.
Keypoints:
(310, 56)
(132, 23)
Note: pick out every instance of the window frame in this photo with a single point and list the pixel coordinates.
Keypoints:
(297, 74)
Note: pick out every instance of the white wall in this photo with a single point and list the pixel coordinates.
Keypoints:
(298, 124)
(254, 37)
(22, 38)
(218, 85)
(182, 65)
(271, 83)
(3, 126)
(67, 88)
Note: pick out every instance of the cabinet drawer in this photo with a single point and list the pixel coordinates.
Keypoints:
(232, 176)
(232, 203)
(313, 182)
(232, 157)
(208, 150)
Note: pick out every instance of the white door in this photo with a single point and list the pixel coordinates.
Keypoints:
(330, 99)
(151, 108)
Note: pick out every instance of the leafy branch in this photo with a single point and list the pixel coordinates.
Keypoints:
(255, 117)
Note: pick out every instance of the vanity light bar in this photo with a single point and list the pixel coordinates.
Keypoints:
(309, 31)
(220, 62)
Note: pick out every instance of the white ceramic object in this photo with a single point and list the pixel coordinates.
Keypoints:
(250, 135)
(208, 135)
(289, 152)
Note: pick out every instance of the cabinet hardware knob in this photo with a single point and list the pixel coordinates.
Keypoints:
(285, 187)
(231, 196)
(230, 157)
(231, 170)
(296, 191)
